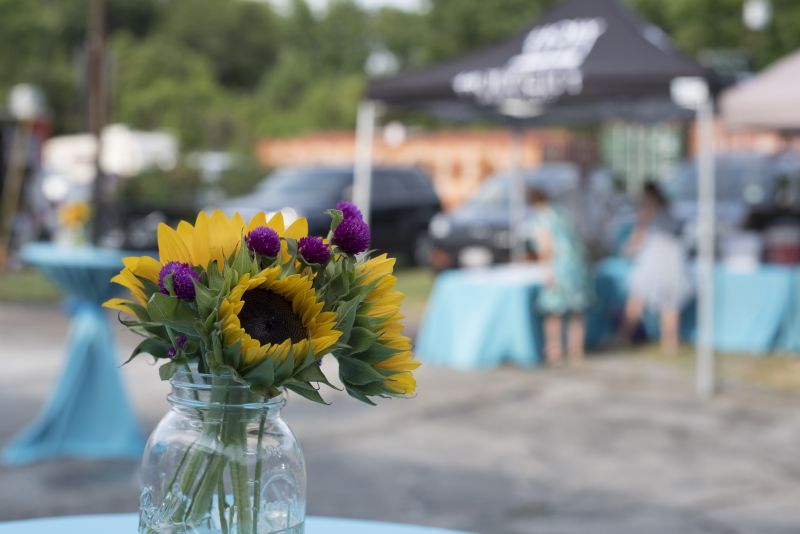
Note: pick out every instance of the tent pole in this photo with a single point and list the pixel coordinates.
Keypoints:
(705, 379)
(362, 170)
(518, 198)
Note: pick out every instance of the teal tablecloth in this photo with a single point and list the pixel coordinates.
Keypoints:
(88, 413)
(482, 318)
(128, 523)
(755, 311)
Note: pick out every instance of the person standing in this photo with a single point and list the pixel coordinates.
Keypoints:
(565, 295)
(658, 279)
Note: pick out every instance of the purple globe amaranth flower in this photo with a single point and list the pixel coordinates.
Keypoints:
(352, 235)
(314, 250)
(183, 277)
(264, 240)
(349, 210)
(171, 353)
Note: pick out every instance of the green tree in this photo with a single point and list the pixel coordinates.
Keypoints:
(456, 26)
(403, 33)
(238, 38)
(160, 84)
(343, 32)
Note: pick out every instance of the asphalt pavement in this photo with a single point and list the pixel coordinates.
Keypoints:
(619, 446)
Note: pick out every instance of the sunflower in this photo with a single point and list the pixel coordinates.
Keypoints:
(210, 238)
(273, 317)
(74, 214)
(381, 309)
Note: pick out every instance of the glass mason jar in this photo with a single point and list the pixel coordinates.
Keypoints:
(221, 461)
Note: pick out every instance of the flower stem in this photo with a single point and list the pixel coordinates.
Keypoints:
(221, 500)
(236, 436)
(259, 468)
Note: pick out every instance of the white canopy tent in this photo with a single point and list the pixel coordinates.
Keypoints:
(768, 100)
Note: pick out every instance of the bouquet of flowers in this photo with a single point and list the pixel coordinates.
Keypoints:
(259, 304)
(73, 217)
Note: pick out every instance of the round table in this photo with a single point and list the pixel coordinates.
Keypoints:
(88, 413)
(128, 523)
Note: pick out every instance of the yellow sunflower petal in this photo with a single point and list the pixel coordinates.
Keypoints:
(223, 236)
(403, 383)
(276, 223)
(126, 279)
(259, 219)
(399, 362)
(119, 304)
(171, 247)
(143, 266)
(297, 229)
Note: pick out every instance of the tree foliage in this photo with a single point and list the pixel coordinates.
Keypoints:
(221, 73)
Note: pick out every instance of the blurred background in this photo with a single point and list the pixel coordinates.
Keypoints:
(583, 209)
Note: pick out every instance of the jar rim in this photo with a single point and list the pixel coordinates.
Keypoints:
(204, 383)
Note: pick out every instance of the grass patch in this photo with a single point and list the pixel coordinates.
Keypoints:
(774, 371)
(416, 284)
(27, 286)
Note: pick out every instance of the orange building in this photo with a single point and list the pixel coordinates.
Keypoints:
(458, 161)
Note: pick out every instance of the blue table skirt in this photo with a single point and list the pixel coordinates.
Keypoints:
(88, 414)
(128, 523)
(480, 319)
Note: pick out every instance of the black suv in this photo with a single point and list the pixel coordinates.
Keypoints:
(402, 202)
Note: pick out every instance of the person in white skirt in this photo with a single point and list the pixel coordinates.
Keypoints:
(659, 280)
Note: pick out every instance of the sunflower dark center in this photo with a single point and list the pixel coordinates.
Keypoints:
(269, 318)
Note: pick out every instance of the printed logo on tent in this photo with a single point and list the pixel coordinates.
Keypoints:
(548, 67)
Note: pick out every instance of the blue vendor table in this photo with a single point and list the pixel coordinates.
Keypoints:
(105, 524)
(756, 311)
(88, 414)
(481, 318)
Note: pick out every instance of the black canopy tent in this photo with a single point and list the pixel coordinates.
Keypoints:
(583, 61)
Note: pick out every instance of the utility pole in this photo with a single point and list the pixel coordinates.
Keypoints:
(96, 106)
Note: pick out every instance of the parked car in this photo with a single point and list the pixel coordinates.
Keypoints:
(479, 233)
(753, 191)
(402, 202)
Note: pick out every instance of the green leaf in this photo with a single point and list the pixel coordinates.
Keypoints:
(169, 284)
(336, 218)
(304, 390)
(360, 339)
(376, 353)
(285, 369)
(242, 263)
(140, 311)
(347, 315)
(262, 374)
(313, 373)
(216, 281)
(171, 312)
(205, 298)
(216, 351)
(167, 370)
(231, 278)
(148, 286)
(353, 371)
(151, 328)
(232, 354)
(359, 396)
(155, 347)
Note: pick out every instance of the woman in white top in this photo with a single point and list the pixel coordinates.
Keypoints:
(658, 280)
